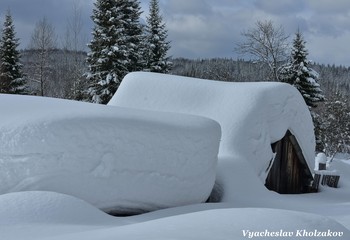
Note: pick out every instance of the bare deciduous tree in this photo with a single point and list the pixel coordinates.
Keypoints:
(42, 42)
(74, 39)
(267, 43)
(74, 46)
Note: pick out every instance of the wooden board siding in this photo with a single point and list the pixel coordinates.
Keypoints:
(289, 173)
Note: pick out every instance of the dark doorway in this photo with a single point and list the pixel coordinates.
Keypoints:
(289, 173)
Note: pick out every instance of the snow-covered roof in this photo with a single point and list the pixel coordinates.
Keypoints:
(251, 115)
(115, 158)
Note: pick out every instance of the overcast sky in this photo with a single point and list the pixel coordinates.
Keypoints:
(210, 28)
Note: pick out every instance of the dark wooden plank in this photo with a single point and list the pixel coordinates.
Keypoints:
(289, 172)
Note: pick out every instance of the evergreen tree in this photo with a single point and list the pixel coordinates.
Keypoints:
(332, 125)
(299, 74)
(134, 35)
(158, 46)
(115, 48)
(11, 76)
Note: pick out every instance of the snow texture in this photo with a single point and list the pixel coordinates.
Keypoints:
(114, 158)
(38, 134)
(251, 115)
(47, 215)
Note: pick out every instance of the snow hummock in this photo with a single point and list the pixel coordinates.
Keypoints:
(115, 158)
(48, 215)
(321, 158)
(252, 117)
(49, 208)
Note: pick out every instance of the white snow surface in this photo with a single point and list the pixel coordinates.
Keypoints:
(247, 206)
(48, 215)
(114, 158)
(251, 115)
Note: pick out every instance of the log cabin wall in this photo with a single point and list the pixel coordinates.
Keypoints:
(289, 173)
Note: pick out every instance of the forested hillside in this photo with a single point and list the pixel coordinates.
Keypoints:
(333, 79)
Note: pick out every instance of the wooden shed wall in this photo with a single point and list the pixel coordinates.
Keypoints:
(289, 173)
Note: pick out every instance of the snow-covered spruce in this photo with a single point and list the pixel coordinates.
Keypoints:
(120, 160)
(11, 76)
(156, 40)
(299, 74)
(116, 47)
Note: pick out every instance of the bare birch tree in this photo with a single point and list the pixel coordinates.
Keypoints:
(74, 46)
(267, 43)
(43, 41)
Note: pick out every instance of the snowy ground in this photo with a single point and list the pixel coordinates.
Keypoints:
(47, 215)
(247, 213)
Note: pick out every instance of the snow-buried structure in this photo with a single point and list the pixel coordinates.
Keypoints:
(266, 126)
(120, 160)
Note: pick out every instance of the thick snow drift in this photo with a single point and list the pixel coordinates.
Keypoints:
(45, 215)
(48, 208)
(114, 158)
(251, 115)
(53, 128)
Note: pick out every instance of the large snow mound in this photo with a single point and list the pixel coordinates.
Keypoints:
(251, 115)
(39, 207)
(45, 215)
(114, 158)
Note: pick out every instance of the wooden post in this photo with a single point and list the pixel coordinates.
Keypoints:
(322, 166)
(316, 182)
(330, 180)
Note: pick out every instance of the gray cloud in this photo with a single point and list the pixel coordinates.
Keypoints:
(207, 28)
(27, 13)
(278, 7)
(329, 6)
(213, 31)
(185, 7)
(197, 35)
